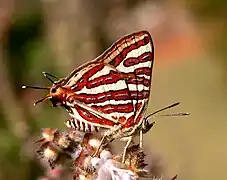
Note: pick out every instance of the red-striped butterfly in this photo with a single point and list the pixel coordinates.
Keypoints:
(111, 91)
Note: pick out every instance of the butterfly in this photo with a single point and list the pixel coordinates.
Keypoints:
(111, 91)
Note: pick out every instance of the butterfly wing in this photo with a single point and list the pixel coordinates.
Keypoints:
(133, 56)
(114, 88)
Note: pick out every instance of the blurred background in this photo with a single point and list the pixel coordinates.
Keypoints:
(56, 36)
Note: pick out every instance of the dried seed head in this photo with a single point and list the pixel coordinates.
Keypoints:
(78, 147)
(75, 135)
(64, 142)
(94, 143)
(82, 177)
(50, 153)
(49, 134)
(88, 166)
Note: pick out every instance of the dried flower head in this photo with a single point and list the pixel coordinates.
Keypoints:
(57, 148)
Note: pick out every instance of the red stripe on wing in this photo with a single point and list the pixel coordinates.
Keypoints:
(140, 59)
(110, 78)
(120, 108)
(102, 97)
(93, 119)
(143, 71)
(83, 81)
(122, 54)
(112, 95)
(131, 121)
(139, 80)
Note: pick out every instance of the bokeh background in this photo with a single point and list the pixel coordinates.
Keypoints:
(56, 36)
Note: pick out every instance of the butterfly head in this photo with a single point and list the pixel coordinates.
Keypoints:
(57, 93)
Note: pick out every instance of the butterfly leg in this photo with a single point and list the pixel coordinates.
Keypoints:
(107, 135)
(141, 139)
(101, 142)
(129, 140)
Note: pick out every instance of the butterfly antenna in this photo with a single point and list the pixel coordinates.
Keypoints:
(174, 177)
(51, 75)
(35, 87)
(168, 107)
(48, 75)
(176, 114)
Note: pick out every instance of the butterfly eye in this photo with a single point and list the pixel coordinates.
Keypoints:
(53, 90)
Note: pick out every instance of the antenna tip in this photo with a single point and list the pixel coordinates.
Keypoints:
(44, 73)
(186, 114)
(23, 87)
(34, 104)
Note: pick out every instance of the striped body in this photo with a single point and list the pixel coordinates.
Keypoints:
(112, 90)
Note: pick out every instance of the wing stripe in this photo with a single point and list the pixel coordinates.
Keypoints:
(91, 118)
(83, 80)
(120, 108)
(112, 77)
(137, 60)
(112, 95)
(115, 61)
